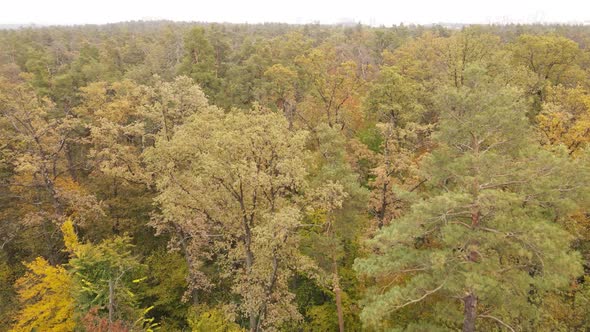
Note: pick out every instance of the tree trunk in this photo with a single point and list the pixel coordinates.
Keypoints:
(249, 262)
(475, 212)
(111, 302)
(253, 323)
(381, 214)
(289, 111)
(469, 312)
(191, 274)
(385, 187)
(71, 163)
(338, 295)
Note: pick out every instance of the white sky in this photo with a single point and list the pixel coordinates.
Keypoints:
(295, 11)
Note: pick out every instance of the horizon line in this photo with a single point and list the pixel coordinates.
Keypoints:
(343, 21)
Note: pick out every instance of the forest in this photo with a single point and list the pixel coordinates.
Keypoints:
(168, 176)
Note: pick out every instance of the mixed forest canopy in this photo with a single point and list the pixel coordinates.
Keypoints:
(230, 177)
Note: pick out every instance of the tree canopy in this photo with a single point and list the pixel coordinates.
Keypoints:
(272, 177)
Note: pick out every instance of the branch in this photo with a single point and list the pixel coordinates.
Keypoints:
(418, 185)
(460, 223)
(492, 186)
(428, 293)
(499, 321)
(396, 273)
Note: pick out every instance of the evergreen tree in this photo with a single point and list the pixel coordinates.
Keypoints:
(200, 61)
(482, 246)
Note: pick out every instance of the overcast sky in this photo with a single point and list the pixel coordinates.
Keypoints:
(375, 12)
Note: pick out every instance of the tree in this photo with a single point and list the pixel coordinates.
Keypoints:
(393, 101)
(418, 59)
(41, 176)
(336, 204)
(213, 319)
(99, 278)
(485, 235)
(281, 90)
(551, 59)
(564, 123)
(163, 57)
(124, 119)
(463, 49)
(565, 118)
(436, 59)
(116, 116)
(164, 288)
(41, 138)
(333, 87)
(104, 278)
(199, 62)
(45, 292)
(9, 300)
(228, 182)
(245, 77)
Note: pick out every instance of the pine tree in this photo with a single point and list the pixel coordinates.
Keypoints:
(199, 61)
(483, 246)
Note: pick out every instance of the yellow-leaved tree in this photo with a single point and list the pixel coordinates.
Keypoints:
(565, 119)
(44, 292)
(229, 184)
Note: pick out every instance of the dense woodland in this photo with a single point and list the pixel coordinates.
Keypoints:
(223, 177)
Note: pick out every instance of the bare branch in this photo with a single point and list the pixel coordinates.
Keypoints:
(499, 321)
(428, 293)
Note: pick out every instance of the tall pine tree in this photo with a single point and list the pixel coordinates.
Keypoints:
(483, 245)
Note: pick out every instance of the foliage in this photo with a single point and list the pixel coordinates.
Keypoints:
(205, 319)
(485, 234)
(45, 292)
(229, 176)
